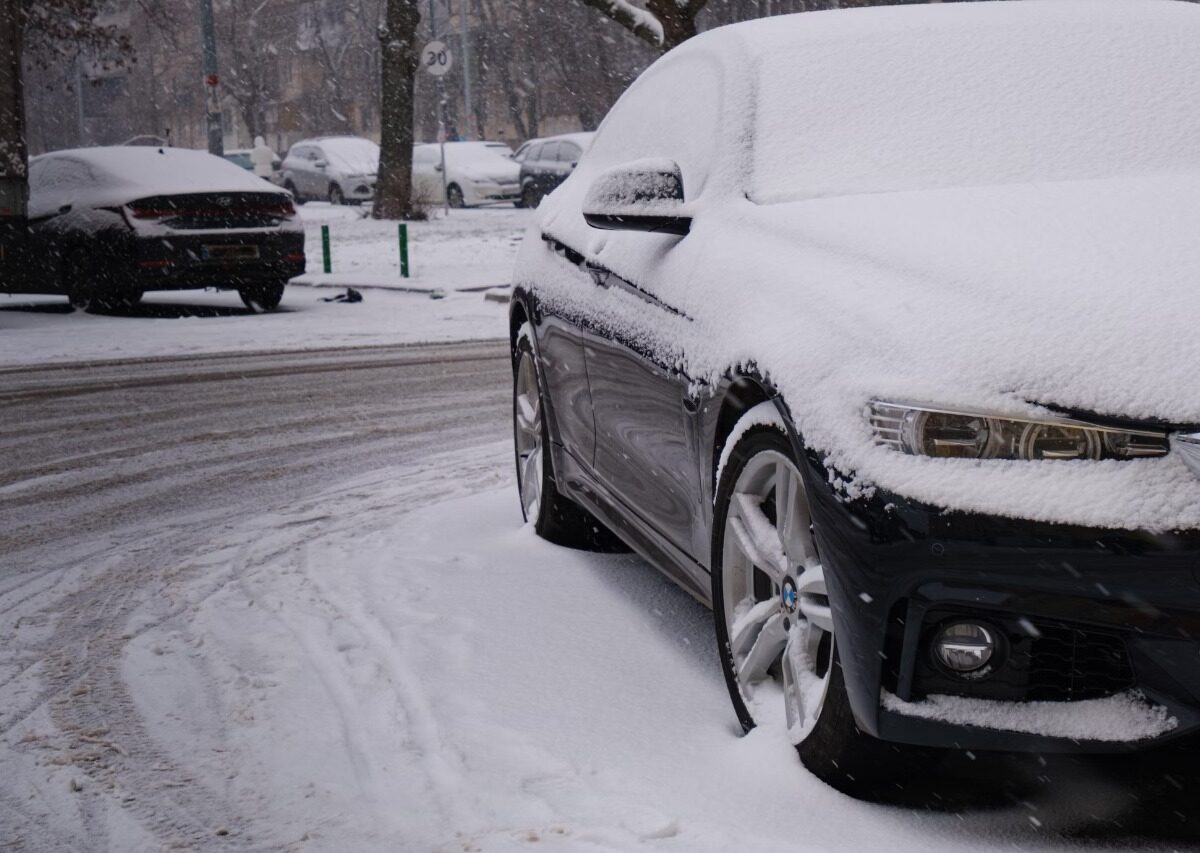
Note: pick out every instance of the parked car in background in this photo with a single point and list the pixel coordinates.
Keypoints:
(337, 169)
(891, 351)
(546, 163)
(241, 157)
(113, 223)
(476, 173)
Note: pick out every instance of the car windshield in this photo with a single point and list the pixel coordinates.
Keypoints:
(973, 105)
(352, 156)
(240, 158)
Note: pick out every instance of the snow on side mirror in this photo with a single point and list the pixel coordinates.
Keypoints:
(644, 195)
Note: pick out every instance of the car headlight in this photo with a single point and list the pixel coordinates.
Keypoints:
(930, 431)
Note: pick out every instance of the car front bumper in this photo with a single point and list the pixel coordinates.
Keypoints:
(1082, 614)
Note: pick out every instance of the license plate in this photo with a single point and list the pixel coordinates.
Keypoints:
(230, 253)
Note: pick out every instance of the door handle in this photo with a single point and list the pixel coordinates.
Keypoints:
(599, 275)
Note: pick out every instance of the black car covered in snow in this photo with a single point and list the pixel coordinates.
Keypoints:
(875, 330)
(110, 223)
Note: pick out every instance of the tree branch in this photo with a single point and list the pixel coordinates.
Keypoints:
(638, 21)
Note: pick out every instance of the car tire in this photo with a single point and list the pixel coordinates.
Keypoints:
(554, 517)
(263, 297)
(336, 196)
(530, 197)
(788, 652)
(454, 196)
(291, 187)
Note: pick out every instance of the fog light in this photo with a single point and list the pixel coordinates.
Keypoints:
(964, 647)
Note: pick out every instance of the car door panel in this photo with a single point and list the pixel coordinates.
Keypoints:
(646, 446)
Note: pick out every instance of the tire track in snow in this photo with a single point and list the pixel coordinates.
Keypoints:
(98, 565)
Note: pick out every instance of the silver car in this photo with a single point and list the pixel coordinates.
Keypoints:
(338, 169)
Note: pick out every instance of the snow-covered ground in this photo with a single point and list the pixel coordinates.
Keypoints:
(459, 255)
(397, 663)
(390, 661)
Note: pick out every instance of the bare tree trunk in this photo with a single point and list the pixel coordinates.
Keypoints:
(13, 155)
(400, 57)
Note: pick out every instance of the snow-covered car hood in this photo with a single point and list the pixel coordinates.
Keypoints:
(1079, 294)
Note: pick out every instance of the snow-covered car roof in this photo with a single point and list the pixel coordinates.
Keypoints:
(582, 138)
(989, 206)
(352, 155)
(116, 175)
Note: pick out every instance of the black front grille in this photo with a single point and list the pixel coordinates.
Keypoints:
(1067, 664)
(1037, 661)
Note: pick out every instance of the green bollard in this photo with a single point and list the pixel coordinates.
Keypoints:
(325, 249)
(403, 250)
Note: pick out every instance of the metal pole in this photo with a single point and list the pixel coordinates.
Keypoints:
(442, 140)
(216, 142)
(326, 260)
(468, 116)
(79, 99)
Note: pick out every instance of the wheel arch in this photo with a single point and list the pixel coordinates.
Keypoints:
(518, 315)
(744, 392)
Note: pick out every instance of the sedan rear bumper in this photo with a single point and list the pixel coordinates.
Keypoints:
(216, 260)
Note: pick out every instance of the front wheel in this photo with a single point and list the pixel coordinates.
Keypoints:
(774, 620)
(336, 196)
(530, 197)
(262, 297)
(454, 196)
(291, 187)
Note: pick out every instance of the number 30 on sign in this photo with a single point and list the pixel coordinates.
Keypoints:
(436, 58)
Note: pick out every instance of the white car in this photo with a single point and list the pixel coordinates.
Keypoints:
(337, 169)
(476, 173)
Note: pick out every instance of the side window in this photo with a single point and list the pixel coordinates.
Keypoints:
(672, 111)
(58, 175)
(568, 152)
(535, 153)
(521, 152)
(550, 152)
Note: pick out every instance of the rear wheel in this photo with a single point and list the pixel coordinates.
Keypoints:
(454, 196)
(262, 297)
(555, 517)
(336, 196)
(530, 196)
(774, 622)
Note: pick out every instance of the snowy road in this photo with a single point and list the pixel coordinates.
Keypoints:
(285, 602)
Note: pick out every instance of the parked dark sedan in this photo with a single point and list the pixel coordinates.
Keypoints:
(113, 223)
(546, 163)
(875, 330)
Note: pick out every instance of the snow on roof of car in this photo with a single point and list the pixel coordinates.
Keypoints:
(968, 94)
(350, 154)
(116, 175)
(993, 208)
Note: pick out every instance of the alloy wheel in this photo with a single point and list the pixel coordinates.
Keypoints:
(774, 597)
(527, 413)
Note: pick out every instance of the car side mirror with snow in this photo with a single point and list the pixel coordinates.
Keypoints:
(644, 195)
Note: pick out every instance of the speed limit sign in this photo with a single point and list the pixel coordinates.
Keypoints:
(436, 58)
